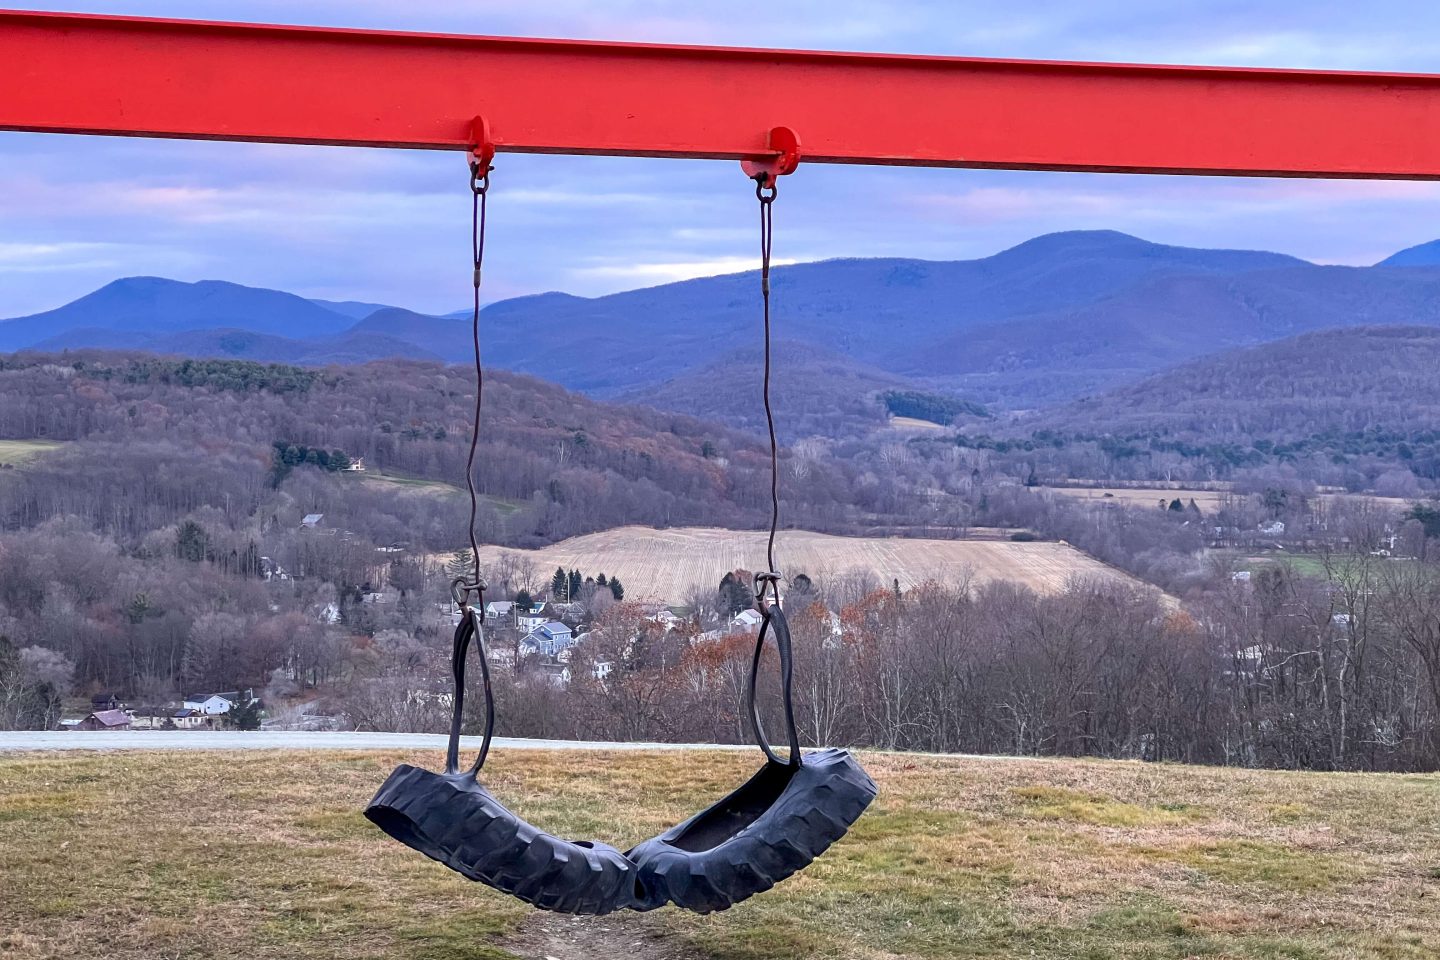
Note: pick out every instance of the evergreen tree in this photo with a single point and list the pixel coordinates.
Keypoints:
(245, 715)
(558, 583)
(616, 590)
(524, 600)
(192, 542)
(735, 594)
(576, 582)
(600, 581)
(460, 565)
(1176, 506)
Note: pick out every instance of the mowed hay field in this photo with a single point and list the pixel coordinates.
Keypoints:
(19, 451)
(666, 565)
(265, 855)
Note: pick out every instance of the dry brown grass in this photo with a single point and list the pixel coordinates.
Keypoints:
(19, 451)
(666, 564)
(265, 855)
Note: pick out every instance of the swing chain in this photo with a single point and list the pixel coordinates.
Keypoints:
(766, 189)
(479, 191)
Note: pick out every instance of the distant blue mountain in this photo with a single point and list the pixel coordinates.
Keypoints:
(1421, 255)
(355, 309)
(886, 313)
(152, 305)
(1053, 318)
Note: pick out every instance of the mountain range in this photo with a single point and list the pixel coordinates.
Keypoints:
(1051, 320)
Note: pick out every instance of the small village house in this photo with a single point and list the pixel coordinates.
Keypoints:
(105, 720)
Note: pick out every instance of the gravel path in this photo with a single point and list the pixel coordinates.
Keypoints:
(298, 740)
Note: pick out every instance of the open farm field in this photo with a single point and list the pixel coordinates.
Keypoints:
(665, 564)
(423, 487)
(915, 423)
(264, 854)
(18, 451)
(1207, 499)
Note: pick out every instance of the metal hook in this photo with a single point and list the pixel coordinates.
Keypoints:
(460, 590)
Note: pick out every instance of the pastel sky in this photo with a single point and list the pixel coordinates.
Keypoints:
(392, 226)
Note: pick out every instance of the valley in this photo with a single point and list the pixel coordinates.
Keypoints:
(1045, 604)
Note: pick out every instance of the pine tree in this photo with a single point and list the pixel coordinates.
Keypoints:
(245, 715)
(616, 590)
(460, 565)
(558, 583)
(192, 542)
(600, 581)
(576, 582)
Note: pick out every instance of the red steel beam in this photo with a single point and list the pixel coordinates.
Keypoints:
(72, 73)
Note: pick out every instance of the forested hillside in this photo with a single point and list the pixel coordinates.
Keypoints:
(155, 438)
(1355, 408)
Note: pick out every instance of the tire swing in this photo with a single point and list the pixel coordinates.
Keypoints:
(775, 824)
(791, 810)
(450, 817)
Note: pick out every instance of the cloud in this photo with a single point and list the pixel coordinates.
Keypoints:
(646, 274)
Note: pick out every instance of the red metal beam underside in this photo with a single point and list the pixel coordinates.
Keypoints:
(70, 73)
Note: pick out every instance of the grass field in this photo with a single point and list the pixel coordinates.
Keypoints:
(914, 423)
(139, 856)
(1302, 564)
(1207, 500)
(438, 488)
(18, 451)
(666, 564)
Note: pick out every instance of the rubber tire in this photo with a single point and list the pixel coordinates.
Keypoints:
(454, 820)
(823, 798)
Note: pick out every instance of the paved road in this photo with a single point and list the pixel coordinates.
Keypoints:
(297, 740)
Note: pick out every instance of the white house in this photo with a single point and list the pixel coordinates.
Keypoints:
(497, 610)
(747, 620)
(161, 718)
(531, 619)
(210, 704)
(213, 704)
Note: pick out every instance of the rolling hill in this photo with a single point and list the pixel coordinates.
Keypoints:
(1334, 381)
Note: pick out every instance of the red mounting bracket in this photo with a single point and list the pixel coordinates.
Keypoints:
(783, 158)
(482, 148)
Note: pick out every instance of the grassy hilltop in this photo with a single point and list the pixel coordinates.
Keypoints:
(266, 855)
